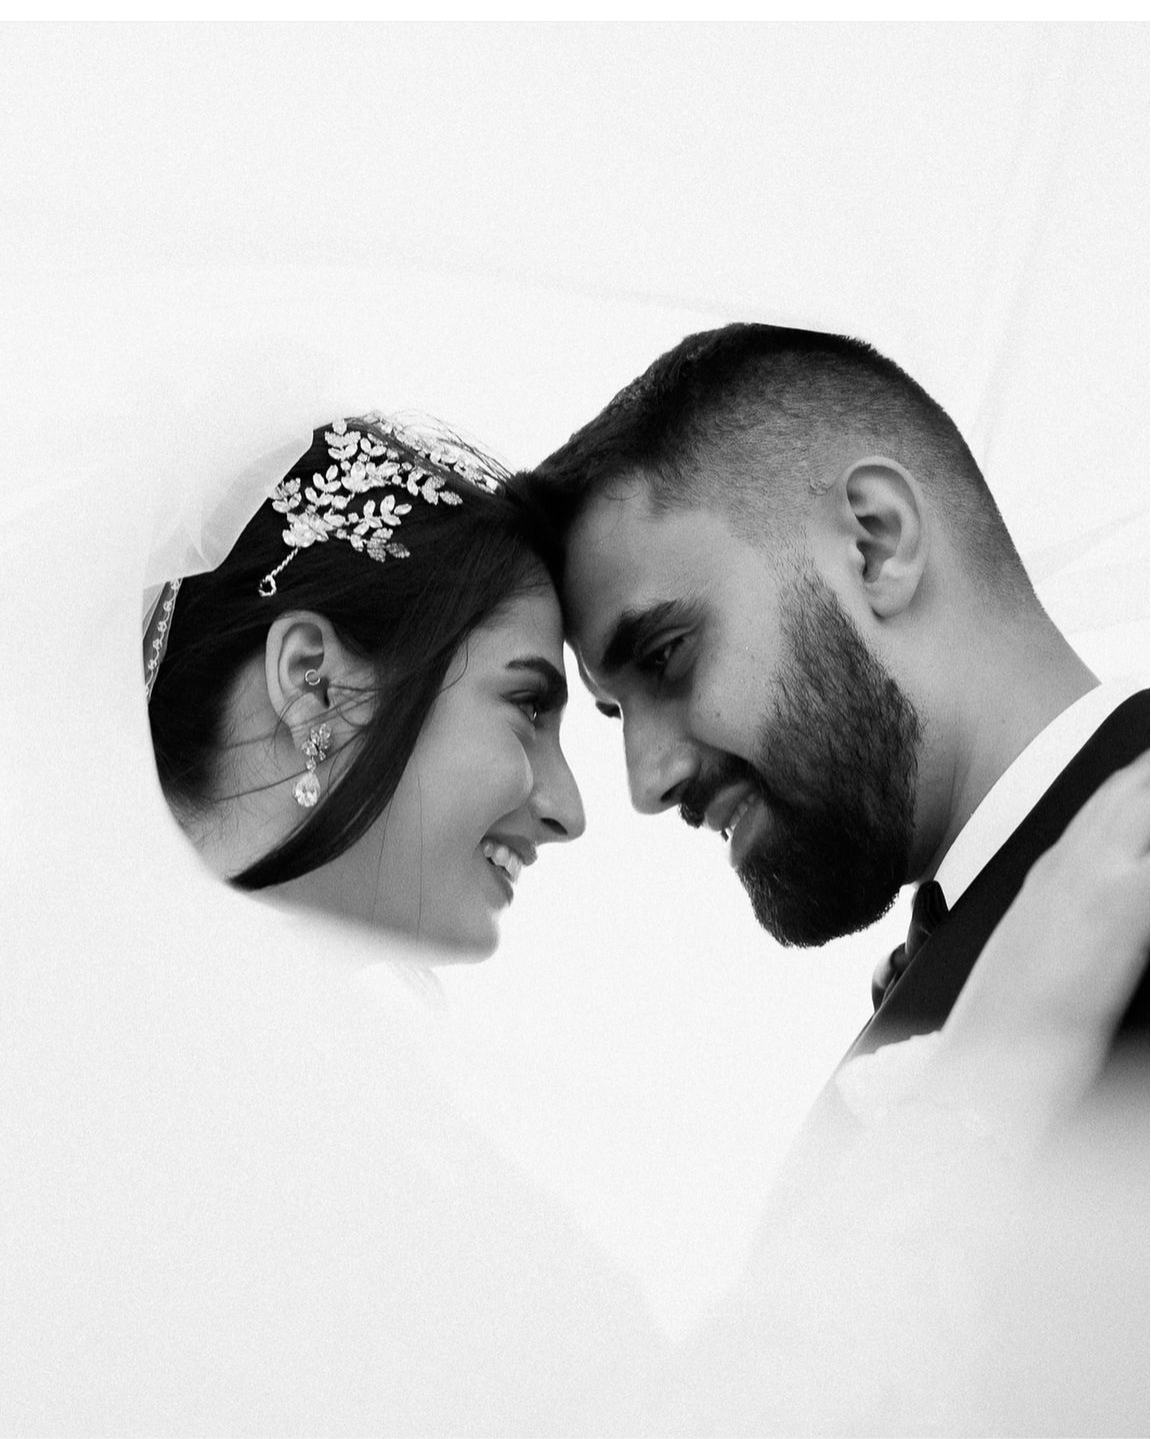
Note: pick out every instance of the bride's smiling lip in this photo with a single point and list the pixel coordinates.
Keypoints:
(506, 856)
(518, 844)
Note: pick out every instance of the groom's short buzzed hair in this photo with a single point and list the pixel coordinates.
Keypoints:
(745, 417)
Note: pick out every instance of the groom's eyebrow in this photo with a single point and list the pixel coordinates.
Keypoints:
(634, 630)
(555, 687)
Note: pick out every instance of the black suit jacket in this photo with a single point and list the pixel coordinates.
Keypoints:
(921, 999)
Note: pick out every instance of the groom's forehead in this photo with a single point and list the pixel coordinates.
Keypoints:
(628, 564)
(616, 550)
(624, 535)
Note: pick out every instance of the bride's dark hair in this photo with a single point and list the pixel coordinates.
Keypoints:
(407, 617)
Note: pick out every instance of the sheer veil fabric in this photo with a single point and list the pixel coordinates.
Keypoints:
(238, 1195)
(241, 1193)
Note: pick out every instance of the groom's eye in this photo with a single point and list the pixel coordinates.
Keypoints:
(655, 662)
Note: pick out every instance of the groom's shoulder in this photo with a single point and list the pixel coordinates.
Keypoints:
(922, 999)
(1121, 737)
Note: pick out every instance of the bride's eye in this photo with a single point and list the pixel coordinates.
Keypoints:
(545, 696)
(533, 705)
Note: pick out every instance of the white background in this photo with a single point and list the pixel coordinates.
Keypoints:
(502, 225)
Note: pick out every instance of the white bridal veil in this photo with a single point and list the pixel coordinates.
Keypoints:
(261, 1173)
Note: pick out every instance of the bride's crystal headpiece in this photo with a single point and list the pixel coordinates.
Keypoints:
(383, 455)
(372, 453)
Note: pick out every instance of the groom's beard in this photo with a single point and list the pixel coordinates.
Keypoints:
(836, 764)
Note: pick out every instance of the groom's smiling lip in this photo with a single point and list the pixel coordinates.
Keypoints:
(723, 809)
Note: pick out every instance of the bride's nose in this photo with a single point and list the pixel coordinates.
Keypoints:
(556, 799)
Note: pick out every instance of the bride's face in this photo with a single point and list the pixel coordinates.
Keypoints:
(486, 786)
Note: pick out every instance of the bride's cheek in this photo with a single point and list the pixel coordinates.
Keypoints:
(518, 770)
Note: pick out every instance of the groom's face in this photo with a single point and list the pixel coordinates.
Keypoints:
(749, 700)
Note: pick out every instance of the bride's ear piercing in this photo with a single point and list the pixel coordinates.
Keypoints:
(312, 678)
(315, 748)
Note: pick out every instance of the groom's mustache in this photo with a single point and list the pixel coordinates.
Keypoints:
(699, 793)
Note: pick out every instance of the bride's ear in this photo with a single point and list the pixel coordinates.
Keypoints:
(304, 662)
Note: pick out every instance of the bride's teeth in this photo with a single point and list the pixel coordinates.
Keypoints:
(505, 858)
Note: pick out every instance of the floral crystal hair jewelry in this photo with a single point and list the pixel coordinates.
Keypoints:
(315, 748)
(373, 453)
(381, 455)
(156, 633)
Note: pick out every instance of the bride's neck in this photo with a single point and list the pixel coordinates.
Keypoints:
(249, 810)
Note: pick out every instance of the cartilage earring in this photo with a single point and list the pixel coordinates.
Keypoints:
(315, 748)
(312, 678)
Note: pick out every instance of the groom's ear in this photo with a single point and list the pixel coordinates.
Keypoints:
(881, 506)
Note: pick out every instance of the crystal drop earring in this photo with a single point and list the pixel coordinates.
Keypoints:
(315, 749)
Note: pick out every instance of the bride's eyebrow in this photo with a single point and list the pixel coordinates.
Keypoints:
(554, 691)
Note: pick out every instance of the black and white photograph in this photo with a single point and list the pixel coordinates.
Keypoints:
(574, 803)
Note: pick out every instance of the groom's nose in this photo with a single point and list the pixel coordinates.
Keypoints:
(660, 764)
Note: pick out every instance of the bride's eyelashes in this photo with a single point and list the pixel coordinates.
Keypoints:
(530, 705)
(546, 693)
(536, 704)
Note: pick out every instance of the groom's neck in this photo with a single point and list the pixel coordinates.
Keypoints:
(1013, 685)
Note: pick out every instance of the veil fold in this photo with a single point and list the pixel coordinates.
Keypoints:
(240, 1196)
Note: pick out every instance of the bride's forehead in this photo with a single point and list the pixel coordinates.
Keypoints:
(530, 621)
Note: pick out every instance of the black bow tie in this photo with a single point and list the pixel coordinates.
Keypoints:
(928, 909)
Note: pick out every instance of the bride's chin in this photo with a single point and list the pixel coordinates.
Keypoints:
(463, 934)
(462, 943)
(466, 932)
